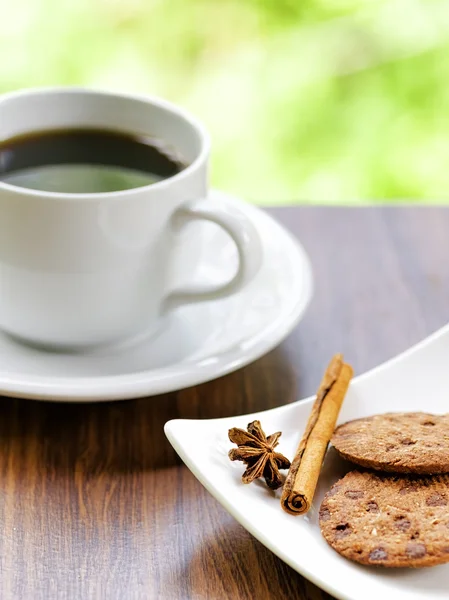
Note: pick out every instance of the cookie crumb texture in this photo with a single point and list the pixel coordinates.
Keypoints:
(396, 442)
(388, 520)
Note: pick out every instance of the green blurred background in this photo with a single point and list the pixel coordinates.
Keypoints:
(311, 101)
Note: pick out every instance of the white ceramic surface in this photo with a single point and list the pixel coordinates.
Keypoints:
(195, 343)
(415, 380)
(88, 269)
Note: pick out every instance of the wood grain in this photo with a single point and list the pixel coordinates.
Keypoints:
(94, 501)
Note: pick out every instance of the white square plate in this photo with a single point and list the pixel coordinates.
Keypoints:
(417, 380)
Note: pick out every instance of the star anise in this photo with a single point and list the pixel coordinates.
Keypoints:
(257, 451)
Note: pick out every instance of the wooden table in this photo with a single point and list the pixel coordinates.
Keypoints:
(94, 501)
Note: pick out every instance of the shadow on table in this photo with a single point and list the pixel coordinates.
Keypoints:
(229, 562)
(128, 436)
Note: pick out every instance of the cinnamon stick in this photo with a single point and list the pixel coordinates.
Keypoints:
(302, 477)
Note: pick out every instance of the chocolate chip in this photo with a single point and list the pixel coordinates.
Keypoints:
(325, 514)
(342, 531)
(446, 549)
(436, 499)
(372, 507)
(415, 535)
(333, 490)
(402, 523)
(354, 494)
(428, 423)
(390, 447)
(415, 550)
(407, 490)
(407, 442)
(378, 554)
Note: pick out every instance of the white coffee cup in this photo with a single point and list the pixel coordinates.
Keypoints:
(79, 270)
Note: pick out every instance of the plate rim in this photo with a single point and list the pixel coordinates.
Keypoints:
(163, 380)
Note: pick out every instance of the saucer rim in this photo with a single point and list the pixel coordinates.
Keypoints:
(167, 379)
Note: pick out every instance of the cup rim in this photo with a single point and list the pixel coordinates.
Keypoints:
(148, 99)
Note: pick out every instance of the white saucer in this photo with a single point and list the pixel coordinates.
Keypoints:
(195, 344)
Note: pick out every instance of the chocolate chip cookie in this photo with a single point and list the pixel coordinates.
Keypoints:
(396, 442)
(388, 520)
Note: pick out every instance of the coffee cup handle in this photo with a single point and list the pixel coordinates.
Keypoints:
(243, 233)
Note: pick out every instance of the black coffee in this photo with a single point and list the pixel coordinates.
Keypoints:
(84, 161)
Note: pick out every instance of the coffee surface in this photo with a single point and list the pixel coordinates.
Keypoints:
(84, 161)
